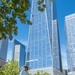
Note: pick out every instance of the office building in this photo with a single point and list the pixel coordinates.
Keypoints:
(19, 53)
(3, 49)
(70, 36)
(2, 62)
(43, 43)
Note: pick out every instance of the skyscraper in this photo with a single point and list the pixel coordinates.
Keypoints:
(43, 43)
(19, 53)
(57, 63)
(70, 36)
(3, 49)
(2, 62)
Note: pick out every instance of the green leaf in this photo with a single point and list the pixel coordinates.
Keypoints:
(9, 11)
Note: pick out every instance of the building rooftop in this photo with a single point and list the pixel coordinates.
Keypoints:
(70, 16)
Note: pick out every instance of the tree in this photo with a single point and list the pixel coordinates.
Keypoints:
(10, 68)
(9, 11)
(41, 5)
(1, 72)
(40, 72)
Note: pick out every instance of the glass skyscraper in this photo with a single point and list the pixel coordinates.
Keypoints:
(57, 63)
(3, 49)
(43, 43)
(70, 36)
(2, 62)
(19, 53)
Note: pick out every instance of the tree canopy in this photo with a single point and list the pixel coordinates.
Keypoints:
(40, 72)
(10, 10)
(10, 68)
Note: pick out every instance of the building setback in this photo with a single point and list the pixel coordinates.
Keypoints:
(70, 36)
(19, 53)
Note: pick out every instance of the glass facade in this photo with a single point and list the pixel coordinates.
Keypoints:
(57, 63)
(0, 44)
(56, 46)
(19, 53)
(40, 38)
(70, 36)
(3, 49)
(2, 63)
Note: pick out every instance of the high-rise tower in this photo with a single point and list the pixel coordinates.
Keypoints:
(19, 53)
(3, 49)
(43, 43)
(70, 36)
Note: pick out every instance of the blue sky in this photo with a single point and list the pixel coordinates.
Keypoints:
(64, 8)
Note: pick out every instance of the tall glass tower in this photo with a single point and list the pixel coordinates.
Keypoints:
(70, 36)
(57, 63)
(3, 49)
(43, 43)
(19, 53)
